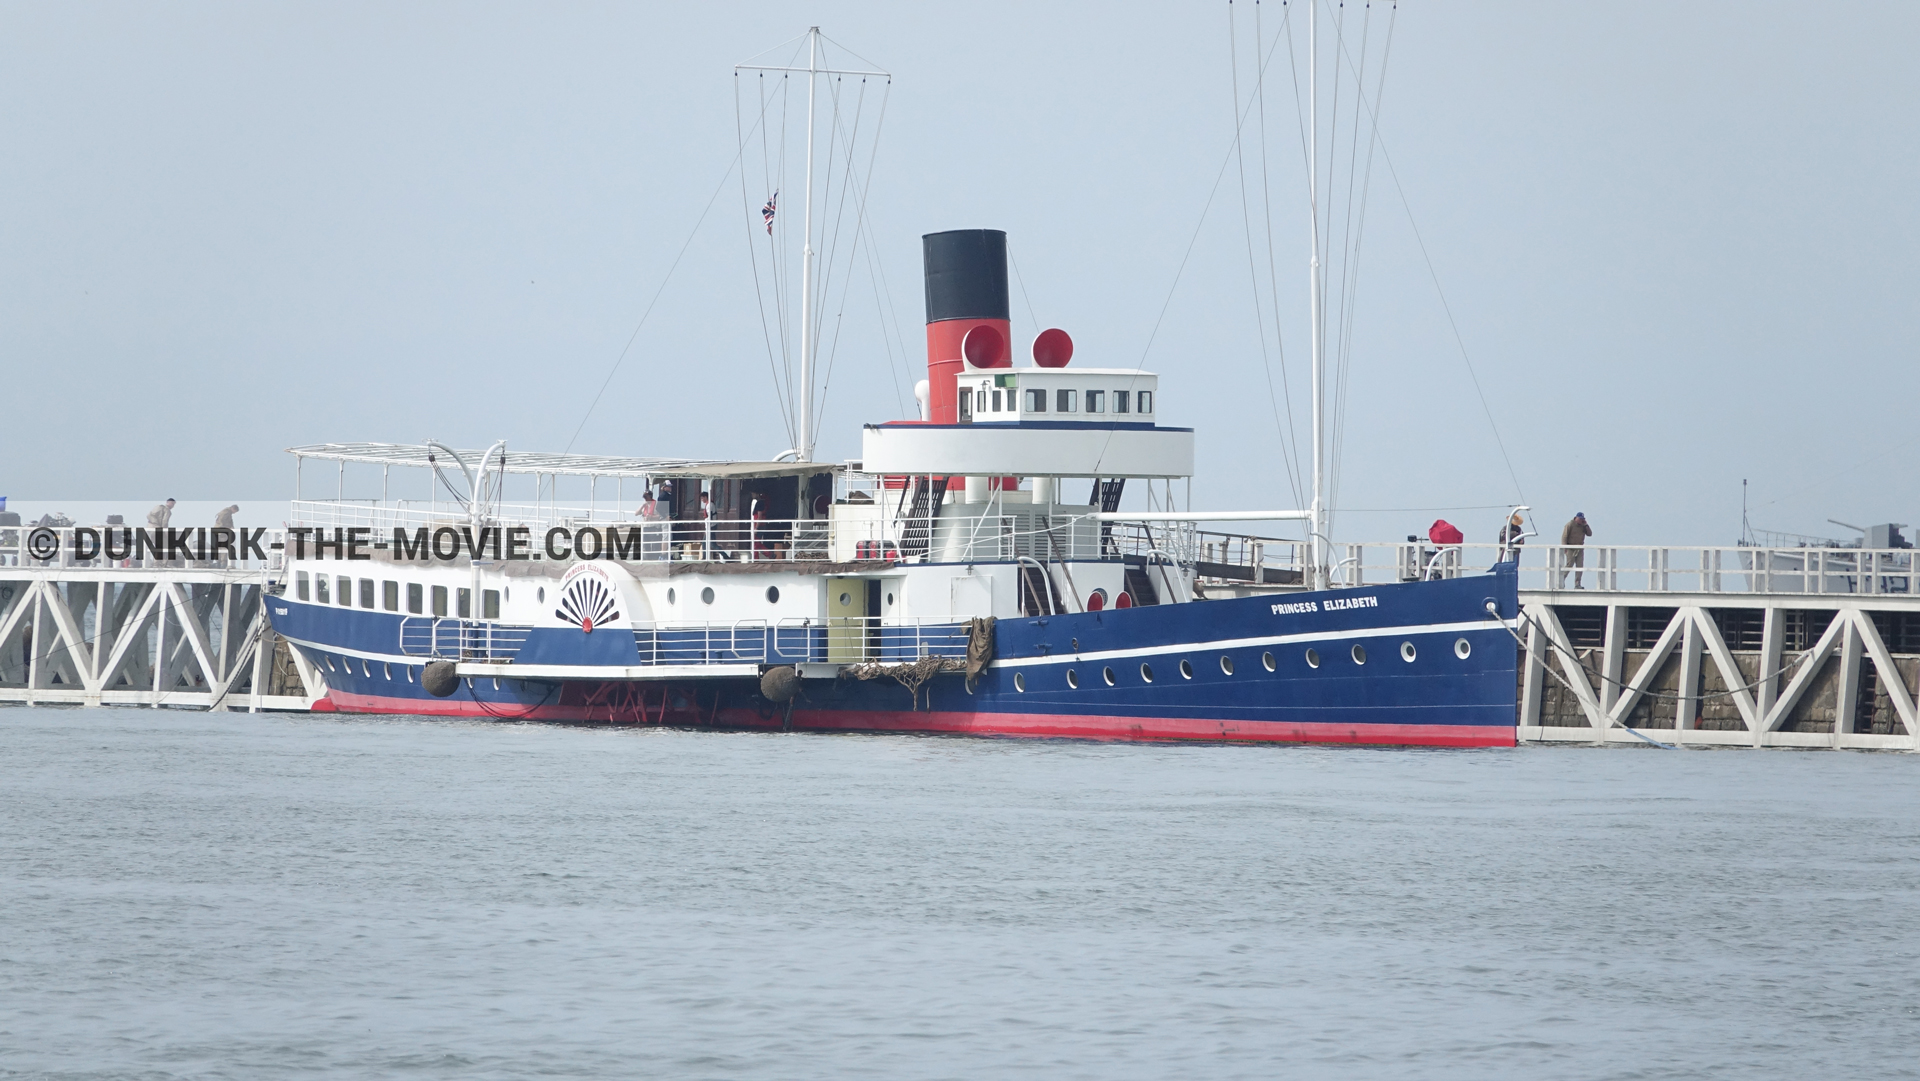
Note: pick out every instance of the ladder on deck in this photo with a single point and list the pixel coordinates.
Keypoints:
(928, 494)
(1106, 493)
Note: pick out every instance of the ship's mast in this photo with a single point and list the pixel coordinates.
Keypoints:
(806, 263)
(1318, 523)
(813, 71)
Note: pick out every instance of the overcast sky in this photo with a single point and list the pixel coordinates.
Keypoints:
(1678, 242)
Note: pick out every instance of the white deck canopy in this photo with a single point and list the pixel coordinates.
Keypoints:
(549, 464)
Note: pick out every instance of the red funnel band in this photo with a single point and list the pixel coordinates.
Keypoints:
(947, 342)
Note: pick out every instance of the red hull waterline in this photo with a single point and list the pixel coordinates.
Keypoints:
(1034, 725)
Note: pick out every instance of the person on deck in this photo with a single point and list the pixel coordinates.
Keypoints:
(1572, 555)
(1512, 536)
(160, 515)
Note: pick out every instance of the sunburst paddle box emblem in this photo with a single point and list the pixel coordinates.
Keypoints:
(587, 602)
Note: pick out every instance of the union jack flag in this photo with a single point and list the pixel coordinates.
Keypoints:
(767, 212)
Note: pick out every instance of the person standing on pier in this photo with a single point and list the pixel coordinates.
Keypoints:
(157, 520)
(1572, 554)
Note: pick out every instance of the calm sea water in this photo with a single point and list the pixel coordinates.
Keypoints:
(194, 895)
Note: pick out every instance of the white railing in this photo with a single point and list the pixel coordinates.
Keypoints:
(850, 536)
(81, 547)
(1592, 567)
(794, 640)
(449, 638)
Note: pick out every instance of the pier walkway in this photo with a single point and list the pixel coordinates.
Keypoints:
(144, 631)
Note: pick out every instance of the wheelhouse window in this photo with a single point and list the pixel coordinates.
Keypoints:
(1063, 401)
(1145, 401)
(1096, 401)
(1120, 400)
(1036, 401)
(390, 596)
(414, 591)
(439, 600)
(300, 585)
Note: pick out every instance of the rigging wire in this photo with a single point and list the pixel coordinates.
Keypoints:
(1452, 323)
(1253, 273)
(851, 177)
(839, 219)
(1273, 274)
(644, 316)
(753, 257)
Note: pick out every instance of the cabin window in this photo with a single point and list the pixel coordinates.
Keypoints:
(966, 406)
(996, 401)
(390, 596)
(414, 592)
(1145, 401)
(439, 600)
(463, 603)
(343, 591)
(1096, 401)
(1120, 401)
(1063, 401)
(320, 582)
(366, 593)
(1036, 401)
(300, 586)
(490, 604)
(979, 401)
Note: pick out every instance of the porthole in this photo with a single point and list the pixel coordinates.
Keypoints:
(540, 594)
(706, 595)
(1073, 679)
(889, 600)
(1186, 669)
(671, 599)
(1267, 662)
(1407, 652)
(1462, 648)
(329, 661)
(1020, 682)
(366, 669)
(1313, 658)
(408, 669)
(846, 599)
(1226, 664)
(773, 594)
(496, 683)
(506, 593)
(1146, 673)
(1107, 674)
(387, 668)
(1359, 653)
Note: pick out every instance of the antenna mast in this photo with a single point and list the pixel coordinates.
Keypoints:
(1318, 524)
(813, 72)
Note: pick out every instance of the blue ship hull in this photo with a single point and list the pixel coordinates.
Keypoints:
(1412, 663)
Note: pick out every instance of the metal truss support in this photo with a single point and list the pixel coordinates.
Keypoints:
(1765, 699)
